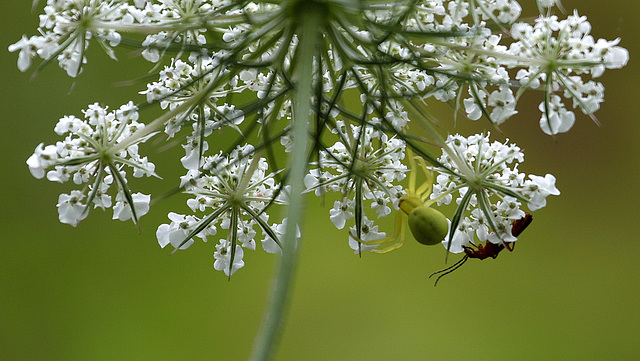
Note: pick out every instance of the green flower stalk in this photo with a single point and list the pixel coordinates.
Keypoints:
(310, 15)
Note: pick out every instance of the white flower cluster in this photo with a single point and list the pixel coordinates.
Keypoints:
(181, 81)
(67, 26)
(394, 55)
(558, 53)
(87, 156)
(552, 54)
(181, 84)
(365, 166)
(234, 192)
(489, 187)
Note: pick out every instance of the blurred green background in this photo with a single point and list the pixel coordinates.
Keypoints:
(101, 291)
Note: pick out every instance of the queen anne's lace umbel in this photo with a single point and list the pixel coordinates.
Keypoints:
(376, 65)
(365, 168)
(87, 156)
(487, 182)
(233, 191)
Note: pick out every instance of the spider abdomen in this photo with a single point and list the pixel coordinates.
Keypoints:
(428, 225)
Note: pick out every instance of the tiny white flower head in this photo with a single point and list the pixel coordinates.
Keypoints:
(41, 159)
(177, 231)
(269, 244)
(70, 208)
(122, 209)
(556, 118)
(538, 188)
(546, 3)
(341, 211)
(369, 232)
(224, 260)
(27, 49)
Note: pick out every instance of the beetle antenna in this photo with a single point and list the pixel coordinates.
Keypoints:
(449, 269)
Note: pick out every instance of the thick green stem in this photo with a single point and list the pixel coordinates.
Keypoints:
(275, 312)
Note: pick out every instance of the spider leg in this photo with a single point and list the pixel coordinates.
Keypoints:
(426, 188)
(412, 174)
(414, 198)
(397, 240)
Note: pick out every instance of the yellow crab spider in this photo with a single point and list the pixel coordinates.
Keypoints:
(427, 224)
